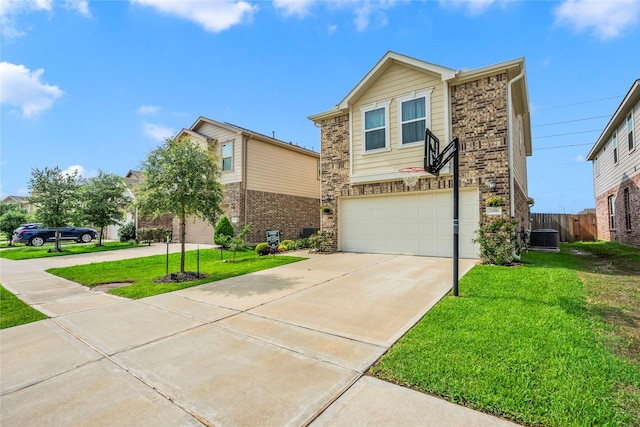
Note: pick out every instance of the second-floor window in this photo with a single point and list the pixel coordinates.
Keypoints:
(375, 120)
(630, 131)
(614, 142)
(596, 166)
(227, 156)
(612, 212)
(414, 120)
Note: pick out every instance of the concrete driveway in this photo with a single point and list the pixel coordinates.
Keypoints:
(286, 346)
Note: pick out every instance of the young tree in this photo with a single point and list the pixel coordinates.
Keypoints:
(10, 220)
(103, 199)
(55, 195)
(182, 178)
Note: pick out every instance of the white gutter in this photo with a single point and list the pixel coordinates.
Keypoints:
(510, 142)
(512, 206)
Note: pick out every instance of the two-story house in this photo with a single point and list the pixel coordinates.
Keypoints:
(378, 129)
(615, 161)
(269, 183)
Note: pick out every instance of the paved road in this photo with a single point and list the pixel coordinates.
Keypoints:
(280, 347)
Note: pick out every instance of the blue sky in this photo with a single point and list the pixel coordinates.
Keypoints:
(92, 85)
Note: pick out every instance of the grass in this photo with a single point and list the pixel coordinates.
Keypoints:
(141, 272)
(533, 343)
(14, 312)
(70, 248)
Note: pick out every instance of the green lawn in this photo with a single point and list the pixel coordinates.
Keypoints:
(70, 248)
(529, 343)
(141, 272)
(14, 312)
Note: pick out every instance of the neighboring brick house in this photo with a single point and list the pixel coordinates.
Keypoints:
(615, 159)
(378, 128)
(270, 184)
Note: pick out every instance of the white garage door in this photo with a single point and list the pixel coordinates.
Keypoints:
(409, 224)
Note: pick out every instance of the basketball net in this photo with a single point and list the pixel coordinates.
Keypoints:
(411, 175)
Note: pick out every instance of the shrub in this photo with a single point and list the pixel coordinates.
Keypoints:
(127, 232)
(223, 232)
(10, 220)
(497, 242)
(318, 242)
(262, 249)
(288, 245)
(302, 243)
(149, 235)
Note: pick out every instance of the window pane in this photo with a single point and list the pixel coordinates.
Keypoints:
(226, 164)
(414, 109)
(374, 119)
(413, 132)
(226, 150)
(374, 139)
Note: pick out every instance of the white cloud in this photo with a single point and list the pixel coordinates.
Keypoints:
(22, 88)
(372, 12)
(607, 19)
(579, 158)
(294, 7)
(474, 7)
(332, 28)
(82, 172)
(9, 9)
(148, 109)
(158, 132)
(214, 16)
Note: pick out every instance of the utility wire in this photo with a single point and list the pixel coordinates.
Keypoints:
(577, 103)
(566, 134)
(571, 121)
(562, 146)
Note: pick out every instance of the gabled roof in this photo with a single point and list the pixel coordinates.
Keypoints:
(512, 68)
(193, 131)
(15, 199)
(632, 98)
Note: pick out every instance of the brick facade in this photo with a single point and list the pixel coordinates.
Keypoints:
(621, 233)
(289, 214)
(479, 117)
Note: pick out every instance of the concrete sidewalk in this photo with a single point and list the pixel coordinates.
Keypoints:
(286, 346)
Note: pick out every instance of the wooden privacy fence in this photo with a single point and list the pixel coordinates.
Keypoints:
(572, 227)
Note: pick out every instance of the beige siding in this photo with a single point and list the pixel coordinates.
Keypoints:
(612, 175)
(224, 136)
(519, 153)
(396, 82)
(279, 170)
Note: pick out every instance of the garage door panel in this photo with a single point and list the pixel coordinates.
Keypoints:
(418, 224)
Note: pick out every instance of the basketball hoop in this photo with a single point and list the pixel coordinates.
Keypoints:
(410, 175)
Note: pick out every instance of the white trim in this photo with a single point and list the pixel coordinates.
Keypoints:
(614, 147)
(222, 156)
(447, 112)
(350, 141)
(633, 135)
(426, 94)
(370, 107)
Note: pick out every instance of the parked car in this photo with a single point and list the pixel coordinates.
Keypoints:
(35, 235)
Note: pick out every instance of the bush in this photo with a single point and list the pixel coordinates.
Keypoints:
(303, 243)
(262, 249)
(318, 242)
(223, 232)
(159, 234)
(127, 232)
(497, 241)
(10, 220)
(288, 245)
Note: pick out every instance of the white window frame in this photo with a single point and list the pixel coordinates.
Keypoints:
(611, 203)
(630, 138)
(222, 156)
(426, 94)
(370, 107)
(596, 166)
(614, 144)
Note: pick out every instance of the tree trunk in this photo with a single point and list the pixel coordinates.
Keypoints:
(100, 236)
(183, 235)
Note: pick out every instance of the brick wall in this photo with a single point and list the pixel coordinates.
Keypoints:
(620, 233)
(289, 214)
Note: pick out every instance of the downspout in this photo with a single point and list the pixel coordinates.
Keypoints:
(245, 151)
(512, 205)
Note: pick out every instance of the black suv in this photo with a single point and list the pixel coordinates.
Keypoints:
(32, 234)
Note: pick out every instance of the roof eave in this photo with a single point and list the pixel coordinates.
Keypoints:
(630, 98)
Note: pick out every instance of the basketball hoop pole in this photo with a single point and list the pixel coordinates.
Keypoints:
(433, 162)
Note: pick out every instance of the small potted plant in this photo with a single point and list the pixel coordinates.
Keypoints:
(494, 205)
(325, 209)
